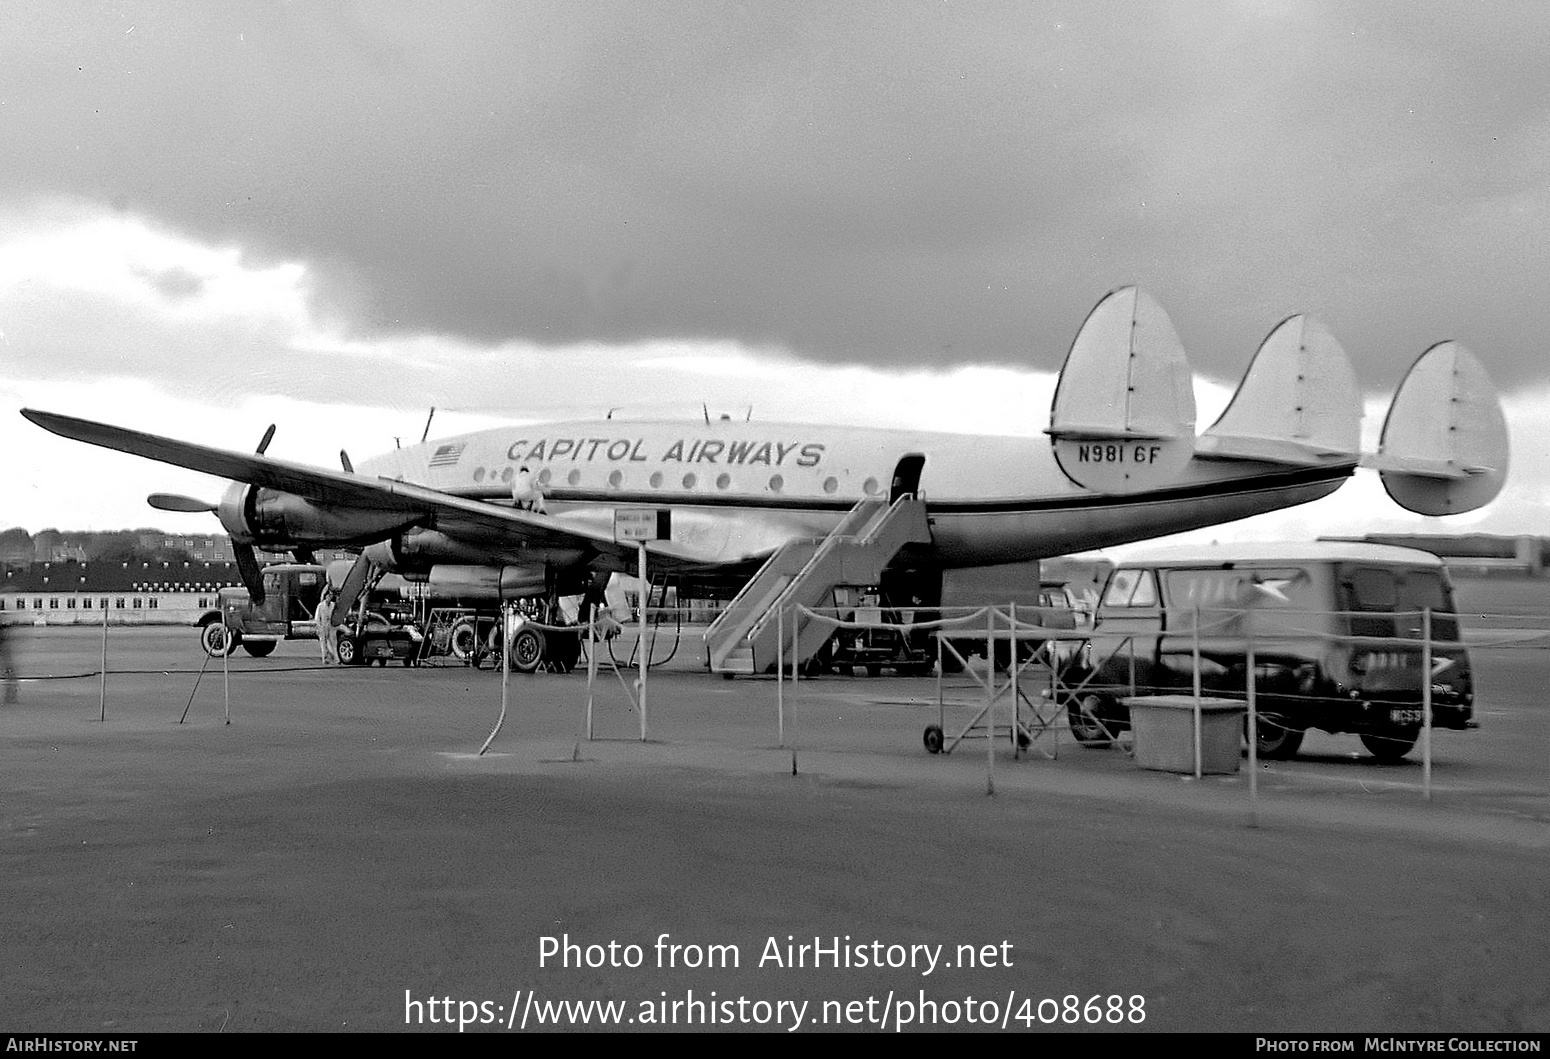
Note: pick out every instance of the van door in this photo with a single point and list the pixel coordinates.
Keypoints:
(1126, 631)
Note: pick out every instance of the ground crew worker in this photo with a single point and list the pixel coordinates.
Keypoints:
(327, 634)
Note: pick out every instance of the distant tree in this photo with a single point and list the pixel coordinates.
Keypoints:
(118, 547)
(16, 546)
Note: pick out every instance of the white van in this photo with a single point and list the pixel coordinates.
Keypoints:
(1336, 630)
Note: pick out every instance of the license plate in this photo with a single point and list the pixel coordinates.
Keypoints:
(1405, 715)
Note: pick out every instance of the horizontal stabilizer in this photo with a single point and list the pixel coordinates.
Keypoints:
(1444, 448)
(1268, 450)
(1123, 418)
(1297, 404)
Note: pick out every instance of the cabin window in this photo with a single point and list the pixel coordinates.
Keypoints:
(689, 480)
(830, 484)
(656, 479)
(1223, 596)
(723, 480)
(870, 487)
(478, 474)
(777, 483)
(573, 478)
(615, 479)
(507, 475)
(544, 476)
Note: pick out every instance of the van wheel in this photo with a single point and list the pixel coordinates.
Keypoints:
(1278, 739)
(215, 638)
(259, 649)
(1086, 714)
(349, 651)
(1390, 746)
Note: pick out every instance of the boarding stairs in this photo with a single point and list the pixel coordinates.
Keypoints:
(746, 637)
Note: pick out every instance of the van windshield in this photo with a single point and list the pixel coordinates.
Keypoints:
(1387, 601)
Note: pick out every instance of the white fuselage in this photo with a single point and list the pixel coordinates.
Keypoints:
(739, 489)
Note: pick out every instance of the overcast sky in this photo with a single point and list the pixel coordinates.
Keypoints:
(334, 216)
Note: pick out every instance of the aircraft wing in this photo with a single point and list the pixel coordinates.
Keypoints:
(470, 520)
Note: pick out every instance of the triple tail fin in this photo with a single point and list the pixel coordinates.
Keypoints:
(1297, 404)
(1444, 448)
(1123, 417)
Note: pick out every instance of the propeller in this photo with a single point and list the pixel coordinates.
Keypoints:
(174, 502)
(252, 573)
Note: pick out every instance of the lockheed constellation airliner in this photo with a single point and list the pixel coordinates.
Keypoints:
(531, 509)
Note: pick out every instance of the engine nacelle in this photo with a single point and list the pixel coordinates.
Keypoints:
(273, 519)
(417, 551)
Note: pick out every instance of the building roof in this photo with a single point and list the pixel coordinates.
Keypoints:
(118, 577)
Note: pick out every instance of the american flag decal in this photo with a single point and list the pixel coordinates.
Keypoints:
(447, 455)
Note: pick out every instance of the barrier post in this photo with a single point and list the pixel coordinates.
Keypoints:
(102, 704)
(591, 666)
(226, 648)
(645, 597)
(780, 674)
(1011, 639)
(1426, 702)
(990, 700)
(796, 632)
(1249, 687)
(1197, 689)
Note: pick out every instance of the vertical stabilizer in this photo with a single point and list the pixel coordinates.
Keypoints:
(1444, 448)
(1123, 418)
(1298, 402)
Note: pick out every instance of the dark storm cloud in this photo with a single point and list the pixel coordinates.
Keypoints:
(902, 184)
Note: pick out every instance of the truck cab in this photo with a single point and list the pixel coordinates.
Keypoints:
(291, 592)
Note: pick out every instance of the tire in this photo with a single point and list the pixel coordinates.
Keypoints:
(349, 651)
(217, 640)
(932, 738)
(463, 640)
(527, 650)
(1390, 746)
(874, 670)
(260, 648)
(1278, 738)
(1091, 720)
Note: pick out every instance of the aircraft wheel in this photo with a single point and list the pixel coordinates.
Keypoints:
(527, 650)
(933, 738)
(259, 649)
(1392, 745)
(463, 640)
(1087, 715)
